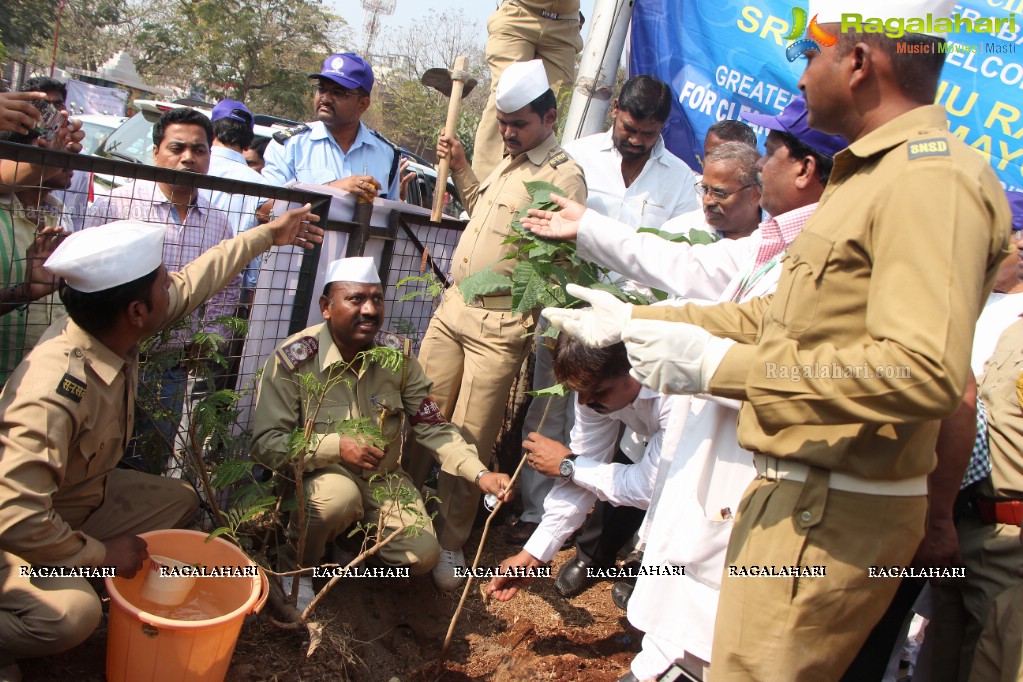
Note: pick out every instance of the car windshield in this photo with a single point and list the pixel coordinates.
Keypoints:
(133, 140)
(95, 134)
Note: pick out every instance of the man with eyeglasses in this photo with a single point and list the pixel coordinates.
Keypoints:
(338, 149)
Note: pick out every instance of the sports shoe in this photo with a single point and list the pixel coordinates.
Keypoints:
(306, 593)
(444, 576)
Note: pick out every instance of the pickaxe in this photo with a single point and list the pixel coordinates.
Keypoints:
(455, 84)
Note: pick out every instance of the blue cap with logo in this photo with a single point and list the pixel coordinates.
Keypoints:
(232, 109)
(1016, 204)
(793, 121)
(347, 70)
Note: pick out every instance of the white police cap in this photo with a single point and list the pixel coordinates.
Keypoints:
(360, 269)
(520, 84)
(107, 256)
(831, 11)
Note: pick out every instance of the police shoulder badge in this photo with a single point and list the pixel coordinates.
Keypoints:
(933, 147)
(558, 159)
(395, 341)
(71, 387)
(294, 353)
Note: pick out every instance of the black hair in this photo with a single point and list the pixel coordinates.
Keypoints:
(181, 116)
(233, 133)
(97, 312)
(646, 98)
(19, 138)
(259, 145)
(917, 71)
(544, 103)
(799, 150)
(45, 84)
(734, 131)
(581, 368)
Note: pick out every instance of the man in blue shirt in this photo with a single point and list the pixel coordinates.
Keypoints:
(338, 149)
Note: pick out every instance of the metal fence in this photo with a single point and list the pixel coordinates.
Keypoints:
(279, 298)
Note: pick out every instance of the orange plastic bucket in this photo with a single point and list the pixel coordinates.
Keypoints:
(142, 646)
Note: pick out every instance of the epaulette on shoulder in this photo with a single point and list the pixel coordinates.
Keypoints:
(558, 159)
(295, 352)
(931, 146)
(384, 140)
(395, 341)
(283, 136)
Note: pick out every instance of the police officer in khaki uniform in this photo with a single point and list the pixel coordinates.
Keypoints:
(519, 31)
(338, 472)
(847, 371)
(473, 352)
(66, 414)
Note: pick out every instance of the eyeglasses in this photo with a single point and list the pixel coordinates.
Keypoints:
(717, 194)
(335, 93)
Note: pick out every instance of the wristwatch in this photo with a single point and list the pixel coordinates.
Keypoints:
(567, 466)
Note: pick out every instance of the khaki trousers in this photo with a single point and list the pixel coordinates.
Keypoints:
(516, 34)
(999, 656)
(472, 356)
(992, 555)
(336, 498)
(41, 616)
(808, 628)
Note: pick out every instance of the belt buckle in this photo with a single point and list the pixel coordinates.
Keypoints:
(769, 468)
(549, 15)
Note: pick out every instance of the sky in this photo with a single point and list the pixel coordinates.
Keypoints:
(405, 13)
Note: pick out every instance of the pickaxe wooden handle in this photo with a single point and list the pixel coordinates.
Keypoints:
(458, 78)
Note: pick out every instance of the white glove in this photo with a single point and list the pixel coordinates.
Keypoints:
(600, 325)
(673, 357)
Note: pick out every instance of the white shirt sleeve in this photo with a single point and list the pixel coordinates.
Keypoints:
(690, 271)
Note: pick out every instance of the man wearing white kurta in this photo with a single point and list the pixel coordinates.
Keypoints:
(690, 518)
(632, 178)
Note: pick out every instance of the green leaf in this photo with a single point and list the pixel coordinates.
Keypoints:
(557, 390)
(483, 283)
(528, 286)
(230, 472)
(540, 192)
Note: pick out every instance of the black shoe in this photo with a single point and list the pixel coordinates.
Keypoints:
(620, 593)
(520, 533)
(572, 578)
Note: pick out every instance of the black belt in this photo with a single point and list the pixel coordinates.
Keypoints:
(544, 13)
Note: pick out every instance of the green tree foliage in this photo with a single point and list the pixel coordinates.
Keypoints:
(27, 23)
(91, 31)
(258, 51)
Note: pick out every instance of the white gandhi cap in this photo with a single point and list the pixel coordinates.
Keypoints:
(107, 256)
(520, 84)
(361, 270)
(831, 11)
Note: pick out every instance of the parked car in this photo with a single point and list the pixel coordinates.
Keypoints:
(97, 128)
(133, 141)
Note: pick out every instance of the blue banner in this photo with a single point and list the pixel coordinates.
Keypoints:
(723, 58)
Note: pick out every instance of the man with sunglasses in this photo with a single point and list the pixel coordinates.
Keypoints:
(337, 149)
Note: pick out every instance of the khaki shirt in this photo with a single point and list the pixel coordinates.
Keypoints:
(997, 388)
(371, 391)
(881, 289)
(66, 415)
(494, 204)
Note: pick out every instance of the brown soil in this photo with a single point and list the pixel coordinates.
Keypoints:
(381, 630)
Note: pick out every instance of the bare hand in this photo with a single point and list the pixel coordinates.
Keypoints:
(497, 484)
(355, 454)
(407, 177)
(503, 588)
(40, 282)
(939, 549)
(68, 137)
(450, 146)
(365, 187)
(126, 554)
(563, 224)
(545, 454)
(16, 114)
(295, 228)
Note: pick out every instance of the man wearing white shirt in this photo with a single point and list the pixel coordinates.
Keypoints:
(607, 398)
(630, 177)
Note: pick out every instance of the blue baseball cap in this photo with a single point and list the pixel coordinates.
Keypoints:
(793, 121)
(1016, 204)
(347, 70)
(234, 110)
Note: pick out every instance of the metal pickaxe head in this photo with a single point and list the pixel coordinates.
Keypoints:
(440, 80)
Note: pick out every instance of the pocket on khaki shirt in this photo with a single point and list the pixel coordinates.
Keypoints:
(799, 289)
